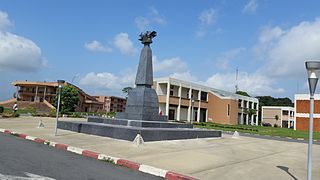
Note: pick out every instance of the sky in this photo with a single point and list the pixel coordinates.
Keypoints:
(94, 44)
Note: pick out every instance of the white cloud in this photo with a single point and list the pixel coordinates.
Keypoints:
(5, 23)
(267, 39)
(186, 76)
(254, 84)
(17, 53)
(223, 61)
(250, 7)
(154, 18)
(285, 51)
(124, 44)
(106, 80)
(142, 23)
(207, 18)
(169, 65)
(157, 18)
(97, 47)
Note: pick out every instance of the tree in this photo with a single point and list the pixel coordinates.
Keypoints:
(271, 101)
(68, 100)
(126, 90)
(243, 93)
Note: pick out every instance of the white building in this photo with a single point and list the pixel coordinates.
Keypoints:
(187, 101)
(282, 116)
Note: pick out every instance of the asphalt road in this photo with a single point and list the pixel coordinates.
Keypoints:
(21, 159)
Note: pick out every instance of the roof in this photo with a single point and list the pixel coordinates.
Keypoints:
(51, 84)
(278, 107)
(220, 93)
(33, 83)
(110, 97)
(306, 97)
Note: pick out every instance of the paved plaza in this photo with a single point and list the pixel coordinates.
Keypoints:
(212, 158)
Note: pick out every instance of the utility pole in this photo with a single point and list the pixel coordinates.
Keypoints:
(236, 86)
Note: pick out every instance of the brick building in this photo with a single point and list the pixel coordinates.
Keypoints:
(302, 109)
(187, 101)
(41, 94)
(112, 103)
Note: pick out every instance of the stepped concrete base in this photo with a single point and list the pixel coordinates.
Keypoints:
(130, 132)
(137, 123)
(142, 104)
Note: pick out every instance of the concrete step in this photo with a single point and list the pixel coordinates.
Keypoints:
(137, 123)
(130, 132)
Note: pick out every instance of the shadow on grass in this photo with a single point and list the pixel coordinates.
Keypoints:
(286, 169)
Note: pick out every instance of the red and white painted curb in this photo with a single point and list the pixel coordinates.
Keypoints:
(122, 162)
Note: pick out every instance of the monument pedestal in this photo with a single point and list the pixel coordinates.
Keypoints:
(142, 104)
(128, 129)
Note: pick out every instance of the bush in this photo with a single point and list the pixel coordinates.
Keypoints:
(266, 124)
(111, 114)
(10, 115)
(275, 125)
(1, 109)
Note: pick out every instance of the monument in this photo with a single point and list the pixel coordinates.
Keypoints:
(141, 117)
(142, 103)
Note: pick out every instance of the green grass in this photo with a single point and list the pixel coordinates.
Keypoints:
(272, 131)
(20, 111)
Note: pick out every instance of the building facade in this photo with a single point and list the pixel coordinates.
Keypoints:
(302, 109)
(45, 92)
(281, 116)
(187, 101)
(112, 103)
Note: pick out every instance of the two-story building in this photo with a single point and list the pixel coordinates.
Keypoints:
(302, 109)
(281, 116)
(112, 103)
(187, 101)
(42, 94)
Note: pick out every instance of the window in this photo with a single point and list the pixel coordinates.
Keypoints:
(204, 96)
(228, 109)
(285, 112)
(171, 93)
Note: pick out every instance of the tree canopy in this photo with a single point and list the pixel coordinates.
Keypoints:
(243, 93)
(271, 101)
(68, 100)
(126, 90)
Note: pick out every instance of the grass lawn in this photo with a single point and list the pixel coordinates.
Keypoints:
(272, 131)
(20, 111)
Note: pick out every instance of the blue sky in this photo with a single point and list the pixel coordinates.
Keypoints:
(94, 44)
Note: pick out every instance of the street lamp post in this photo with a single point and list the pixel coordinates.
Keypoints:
(313, 69)
(60, 85)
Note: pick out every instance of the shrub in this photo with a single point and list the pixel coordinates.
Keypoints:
(266, 124)
(275, 125)
(111, 114)
(10, 114)
(1, 109)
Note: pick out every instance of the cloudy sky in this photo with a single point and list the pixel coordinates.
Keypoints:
(94, 44)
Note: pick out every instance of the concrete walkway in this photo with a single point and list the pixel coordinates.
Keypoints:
(212, 158)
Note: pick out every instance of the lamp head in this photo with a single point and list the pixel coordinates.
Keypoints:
(313, 70)
(61, 83)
